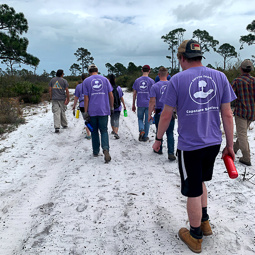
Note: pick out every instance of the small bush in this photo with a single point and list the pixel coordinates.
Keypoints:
(28, 92)
(10, 111)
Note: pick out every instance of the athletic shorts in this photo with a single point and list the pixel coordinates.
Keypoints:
(115, 119)
(196, 167)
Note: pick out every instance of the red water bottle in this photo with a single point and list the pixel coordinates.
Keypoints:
(231, 168)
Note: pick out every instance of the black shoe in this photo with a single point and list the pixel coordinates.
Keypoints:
(56, 130)
(158, 152)
(116, 136)
(145, 139)
(141, 135)
(171, 157)
(65, 127)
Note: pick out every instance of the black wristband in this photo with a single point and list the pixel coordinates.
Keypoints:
(157, 139)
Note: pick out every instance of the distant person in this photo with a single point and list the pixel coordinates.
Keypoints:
(79, 95)
(141, 94)
(157, 90)
(244, 87)
(199, 94)
(116, 115)
(98, 105)
(59, 94)
(158, 79)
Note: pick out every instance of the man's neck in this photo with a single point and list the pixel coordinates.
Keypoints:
(163, 79)
(94, 73)
(145, 74)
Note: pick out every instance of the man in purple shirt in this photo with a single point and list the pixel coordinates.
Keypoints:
(98, 105)
(141, 92)
(199, 94)
(157, 91)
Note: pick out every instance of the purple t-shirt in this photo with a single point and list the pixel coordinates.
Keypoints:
(121, 94)
(142, 85)
(157, 90)
(97, 88)
(197, 93)
(80, 94)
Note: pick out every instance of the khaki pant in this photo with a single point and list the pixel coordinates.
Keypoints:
(242, 143)
(59, 116)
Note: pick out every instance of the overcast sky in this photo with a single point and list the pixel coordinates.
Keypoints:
(127, 30)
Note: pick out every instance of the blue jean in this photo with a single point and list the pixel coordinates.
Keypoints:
(99, 123)
(169, 134)
(143, 124)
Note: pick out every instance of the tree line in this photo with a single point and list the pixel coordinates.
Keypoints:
(13, 47)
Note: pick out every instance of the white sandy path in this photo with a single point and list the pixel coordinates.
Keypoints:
(57, 199)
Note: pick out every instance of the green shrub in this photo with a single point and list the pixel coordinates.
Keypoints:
(28, 92)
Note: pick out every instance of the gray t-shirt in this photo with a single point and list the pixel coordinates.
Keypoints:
(59, 86)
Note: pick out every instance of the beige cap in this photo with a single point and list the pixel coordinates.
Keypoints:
(247, 64)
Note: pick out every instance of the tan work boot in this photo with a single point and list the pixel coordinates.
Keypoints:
(206, 228)
(194, 244)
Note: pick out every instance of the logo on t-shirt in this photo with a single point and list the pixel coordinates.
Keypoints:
(97, 84)
(143, 85)
(163, 89)
(202, 89)
(57, 85)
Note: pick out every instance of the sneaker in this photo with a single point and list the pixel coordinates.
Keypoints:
(112, 132)
(107, 157)
(206, 228)
(158, 152)
(65, 127)
(247, 163)
(141, 135)
(116, 136)
(88, 137)
(194, 244)
(95, 155)
(145, 139)
(56, 130)
(171, 157)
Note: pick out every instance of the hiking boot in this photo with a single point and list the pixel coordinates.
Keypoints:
(158, 152)
(194, 244)
(171, 157)
(247, 163)
(141, 135)
(107, 157)
(206, 228)
(56, 130)
(145, 139)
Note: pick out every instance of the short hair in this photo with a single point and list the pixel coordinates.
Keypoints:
(247, 70)
(93, 70)
(59, 72)
(163, 71)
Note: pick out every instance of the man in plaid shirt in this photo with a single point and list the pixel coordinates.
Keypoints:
(244, 87)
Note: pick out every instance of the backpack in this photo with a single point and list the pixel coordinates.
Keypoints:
(116, 97)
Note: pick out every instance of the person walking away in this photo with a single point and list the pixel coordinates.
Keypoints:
(244, 111)
(79, 95)
(157, 90)
(118, 99)
(98, 105)
(199, 94)
(141, 95)
(59, 94)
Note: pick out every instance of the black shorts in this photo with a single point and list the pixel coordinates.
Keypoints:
(196, 167)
